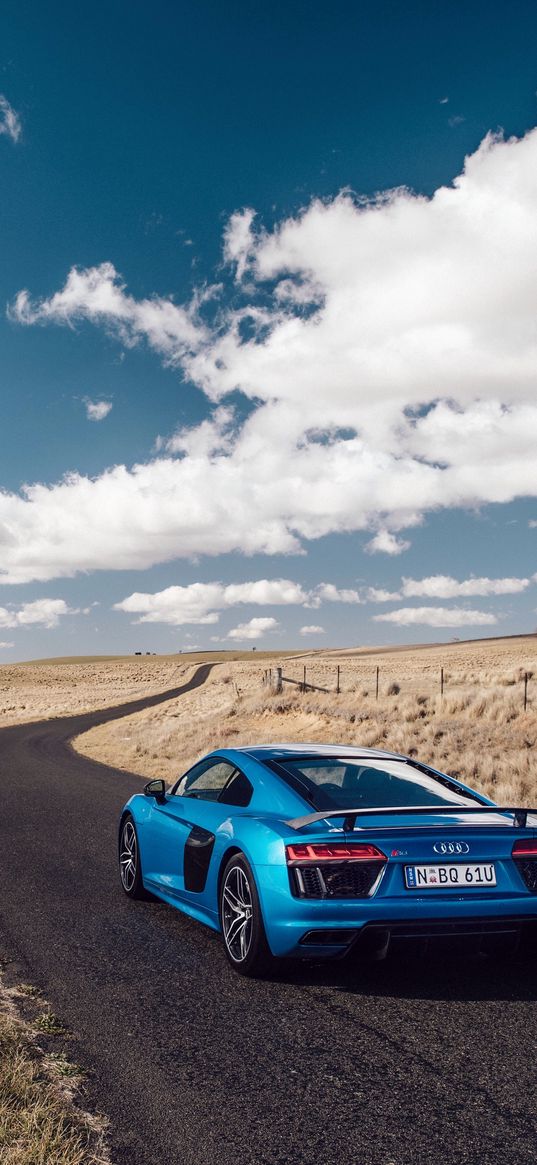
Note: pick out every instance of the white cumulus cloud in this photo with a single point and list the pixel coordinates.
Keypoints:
(4, 644)
(40, 612)
(10, 122)
(387, 351)
(239, 240)
(385, 542)
(278, 591)
(98, 295)
(312, 629)
(436, 617)
(201, 602)
(379, 595)
(329, 593)
(440, 586)
(254, 629)
(97, 410)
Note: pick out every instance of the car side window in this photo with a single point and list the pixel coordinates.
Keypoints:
(206, 780)
(238, 791)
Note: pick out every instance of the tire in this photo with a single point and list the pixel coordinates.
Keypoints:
(243, 931)
(130, 867)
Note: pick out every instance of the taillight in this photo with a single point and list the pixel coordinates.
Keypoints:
(304, 853)
(525, 849)
(334, 869)
(525, 856)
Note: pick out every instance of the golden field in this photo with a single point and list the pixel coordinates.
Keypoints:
(477, 730)
(38, 691)
(64, 687)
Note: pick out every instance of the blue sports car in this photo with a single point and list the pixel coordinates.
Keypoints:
(309, 851)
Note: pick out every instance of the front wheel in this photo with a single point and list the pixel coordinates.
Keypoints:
(245, 941)
(130, 867)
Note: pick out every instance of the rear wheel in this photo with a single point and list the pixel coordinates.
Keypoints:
(130, 868)
(245, 941)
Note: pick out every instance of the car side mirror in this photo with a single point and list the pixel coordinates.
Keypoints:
(156, 789)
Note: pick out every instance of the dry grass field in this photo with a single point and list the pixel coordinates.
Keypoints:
(40, 1121)
(477, 729)
(55, 687)
(62, 687)
(38, 691)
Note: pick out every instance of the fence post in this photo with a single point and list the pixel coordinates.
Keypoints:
(525, 690)
(337, 685)
(304, 680)
(441, 681)
(279, 684)
(377, 685)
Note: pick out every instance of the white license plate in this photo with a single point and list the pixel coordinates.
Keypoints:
(456, 876)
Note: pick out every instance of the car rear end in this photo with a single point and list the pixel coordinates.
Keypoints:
(440, 878)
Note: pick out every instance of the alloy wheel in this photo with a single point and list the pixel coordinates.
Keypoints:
(128, 856)
(237, 911)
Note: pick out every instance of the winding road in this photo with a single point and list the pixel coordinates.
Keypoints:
(409, 1062)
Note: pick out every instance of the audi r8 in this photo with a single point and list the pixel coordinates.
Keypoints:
(314, 851)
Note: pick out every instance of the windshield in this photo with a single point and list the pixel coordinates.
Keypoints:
(333, 782)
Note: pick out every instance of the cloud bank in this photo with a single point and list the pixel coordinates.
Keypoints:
(202, 603)
(437, 617)
(387, 350)
(442, 586)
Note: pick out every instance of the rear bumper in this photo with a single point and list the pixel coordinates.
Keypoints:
(308, 928)
(448, 937)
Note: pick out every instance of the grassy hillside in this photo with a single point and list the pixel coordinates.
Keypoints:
(476, 728)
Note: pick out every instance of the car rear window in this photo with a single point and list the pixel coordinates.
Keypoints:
(331, 782)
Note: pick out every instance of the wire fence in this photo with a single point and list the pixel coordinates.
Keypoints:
(377, 682)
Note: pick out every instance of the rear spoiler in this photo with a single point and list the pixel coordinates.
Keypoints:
(520, 815)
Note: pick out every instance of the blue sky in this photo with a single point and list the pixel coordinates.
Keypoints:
(238, 253)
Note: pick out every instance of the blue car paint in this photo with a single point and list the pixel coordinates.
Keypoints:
(261, 832)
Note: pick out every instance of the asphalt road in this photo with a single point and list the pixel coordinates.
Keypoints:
(408, 1062)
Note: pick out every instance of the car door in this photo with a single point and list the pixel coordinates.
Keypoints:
(182, 826)
(227, 792)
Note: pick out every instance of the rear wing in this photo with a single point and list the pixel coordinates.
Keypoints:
(520, 815)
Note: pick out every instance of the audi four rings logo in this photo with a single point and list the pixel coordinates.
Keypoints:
(451, 847)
